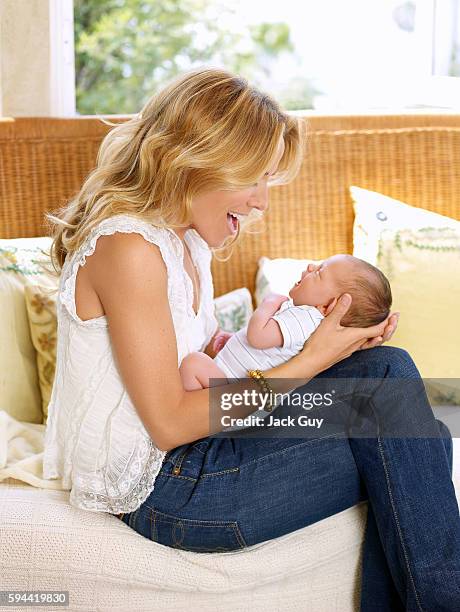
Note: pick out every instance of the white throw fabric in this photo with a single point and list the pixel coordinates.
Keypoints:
(21, 452)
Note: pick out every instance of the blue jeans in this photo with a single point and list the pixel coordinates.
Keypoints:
(221, 494)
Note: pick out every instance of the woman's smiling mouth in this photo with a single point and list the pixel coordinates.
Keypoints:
(233, 220)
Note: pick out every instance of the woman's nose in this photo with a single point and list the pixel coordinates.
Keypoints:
(260, 198)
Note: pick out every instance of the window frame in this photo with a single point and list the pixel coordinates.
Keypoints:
(62, 59)
(433, 19)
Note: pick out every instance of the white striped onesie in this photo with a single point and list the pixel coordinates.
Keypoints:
(297, 323)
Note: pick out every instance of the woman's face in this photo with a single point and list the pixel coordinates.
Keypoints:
(215, 215)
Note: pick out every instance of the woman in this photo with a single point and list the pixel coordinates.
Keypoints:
(135, 297)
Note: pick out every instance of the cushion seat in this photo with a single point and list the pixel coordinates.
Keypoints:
(105, 565)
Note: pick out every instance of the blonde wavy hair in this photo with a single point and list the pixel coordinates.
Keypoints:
(207, 130)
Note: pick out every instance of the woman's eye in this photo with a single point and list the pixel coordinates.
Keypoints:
(266, 174)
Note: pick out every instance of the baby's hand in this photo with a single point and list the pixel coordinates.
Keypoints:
(275, 300)
(221, 340)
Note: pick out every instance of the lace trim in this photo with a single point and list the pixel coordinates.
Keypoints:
(135, 497)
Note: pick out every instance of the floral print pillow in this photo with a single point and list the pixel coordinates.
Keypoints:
(41, 309)
(234, 309)
(23, 262)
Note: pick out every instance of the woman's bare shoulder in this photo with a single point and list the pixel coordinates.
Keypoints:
(123, 263)
(124, 250)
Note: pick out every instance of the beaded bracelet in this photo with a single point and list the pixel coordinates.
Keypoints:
(263, 384)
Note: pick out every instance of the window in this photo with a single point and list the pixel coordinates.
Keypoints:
(328, 56)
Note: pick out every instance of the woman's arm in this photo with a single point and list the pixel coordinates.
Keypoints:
(135, 300)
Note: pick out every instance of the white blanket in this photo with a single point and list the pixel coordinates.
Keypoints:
(21, 452)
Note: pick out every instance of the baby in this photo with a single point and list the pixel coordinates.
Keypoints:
(279, 327)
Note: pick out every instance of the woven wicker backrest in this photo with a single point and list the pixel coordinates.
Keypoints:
(415, 158)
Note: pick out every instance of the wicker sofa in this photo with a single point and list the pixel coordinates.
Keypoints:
(47, 544)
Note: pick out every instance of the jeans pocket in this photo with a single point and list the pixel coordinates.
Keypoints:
(195, 535)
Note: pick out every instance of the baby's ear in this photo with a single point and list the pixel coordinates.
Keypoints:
(330, 306)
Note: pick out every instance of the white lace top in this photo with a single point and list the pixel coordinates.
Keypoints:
(94, 438)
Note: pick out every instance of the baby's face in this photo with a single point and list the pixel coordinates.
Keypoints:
(318, 285)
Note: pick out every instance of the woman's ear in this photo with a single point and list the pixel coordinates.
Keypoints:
(330, 306)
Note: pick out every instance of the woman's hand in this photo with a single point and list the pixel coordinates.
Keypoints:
(391, 325)
(331, 342)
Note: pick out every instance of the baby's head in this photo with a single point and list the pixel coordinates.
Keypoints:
(321, 284)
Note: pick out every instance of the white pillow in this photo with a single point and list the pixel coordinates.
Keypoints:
(278, 275)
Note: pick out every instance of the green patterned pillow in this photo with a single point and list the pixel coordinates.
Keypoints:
(423, 267)
(234, 309)
(418, 250)
(375, 213)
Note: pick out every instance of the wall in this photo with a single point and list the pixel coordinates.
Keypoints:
(36, 58)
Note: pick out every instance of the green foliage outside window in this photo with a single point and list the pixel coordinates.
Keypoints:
(125, 50)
